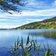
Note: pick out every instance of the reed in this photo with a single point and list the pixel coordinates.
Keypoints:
(30, 48)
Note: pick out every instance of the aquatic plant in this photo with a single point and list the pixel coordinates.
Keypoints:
(30, 48)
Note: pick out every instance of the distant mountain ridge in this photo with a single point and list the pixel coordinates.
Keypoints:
(45, 24)
(50, 20)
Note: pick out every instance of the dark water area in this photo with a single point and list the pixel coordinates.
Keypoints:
(42, 36)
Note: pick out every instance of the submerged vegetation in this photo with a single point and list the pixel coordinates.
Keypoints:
(30, 48)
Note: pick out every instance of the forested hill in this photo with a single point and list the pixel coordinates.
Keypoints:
(50, 20)
(45, 24)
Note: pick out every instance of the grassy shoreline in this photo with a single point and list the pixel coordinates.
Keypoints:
(45, 24)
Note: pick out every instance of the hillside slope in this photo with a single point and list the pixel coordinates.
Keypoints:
(45, 24)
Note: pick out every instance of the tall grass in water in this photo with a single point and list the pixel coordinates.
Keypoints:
(30, 48)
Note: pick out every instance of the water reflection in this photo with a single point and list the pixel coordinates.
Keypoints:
(42, 36)
(45, 33)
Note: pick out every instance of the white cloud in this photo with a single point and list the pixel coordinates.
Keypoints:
(3, 19)
(47, 12)
(9, 26)
(54, 3)
(35, 2)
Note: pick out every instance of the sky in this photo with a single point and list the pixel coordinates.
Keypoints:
(34, 10)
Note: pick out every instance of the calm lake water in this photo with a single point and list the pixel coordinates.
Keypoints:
(42, 36)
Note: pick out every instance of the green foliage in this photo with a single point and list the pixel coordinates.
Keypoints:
(15, 1)
(21, 44)
(29, 49)
(27, 41)
(6, 5)
(45, 24)
(47, 53)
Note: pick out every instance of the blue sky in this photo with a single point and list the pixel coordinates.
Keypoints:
(34, 10)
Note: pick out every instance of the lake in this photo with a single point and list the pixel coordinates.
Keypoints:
(42, 36)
